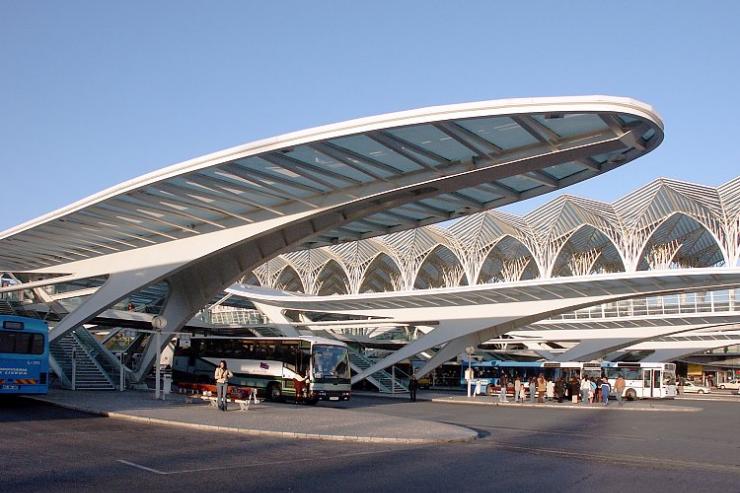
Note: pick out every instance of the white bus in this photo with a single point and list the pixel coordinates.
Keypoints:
(305, 369)
(643, 380)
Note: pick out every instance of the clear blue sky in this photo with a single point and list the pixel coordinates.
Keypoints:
(93, 93)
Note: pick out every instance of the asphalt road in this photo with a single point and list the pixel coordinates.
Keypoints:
(44, 448)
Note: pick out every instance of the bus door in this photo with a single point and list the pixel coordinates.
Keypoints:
(651, 383)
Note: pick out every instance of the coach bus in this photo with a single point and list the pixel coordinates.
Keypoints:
(643, 380)
(24, 355)
(305, 369)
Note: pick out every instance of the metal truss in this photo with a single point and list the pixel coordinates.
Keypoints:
(666, 224)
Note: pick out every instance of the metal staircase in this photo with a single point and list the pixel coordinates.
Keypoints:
(89, 374)
(6, 308)
(381, 379)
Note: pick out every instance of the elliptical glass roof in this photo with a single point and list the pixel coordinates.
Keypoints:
(528, 147)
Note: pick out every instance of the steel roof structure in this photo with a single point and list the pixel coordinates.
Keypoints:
(664, 224)
(472, 315)
(201, 225)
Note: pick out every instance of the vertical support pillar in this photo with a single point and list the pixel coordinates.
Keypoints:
(74, 368)
(157, 369)
(393, 379)
(121, 376)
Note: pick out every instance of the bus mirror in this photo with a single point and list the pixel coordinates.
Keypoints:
(185, 341)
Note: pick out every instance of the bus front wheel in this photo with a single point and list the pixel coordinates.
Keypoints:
(631, 394)
(274, 392)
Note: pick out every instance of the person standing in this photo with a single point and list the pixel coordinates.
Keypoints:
(550, 392)
(592, 390)
(413, 386)
(605, 388)
(585, 388)
(541, 388)
(619, 385)
(573, 388)
(517, 388)
(504, 382)
(532, 389)
(222, 376)
(560, 389)
(523, 393)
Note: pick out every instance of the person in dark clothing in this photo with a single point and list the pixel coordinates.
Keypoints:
(413, 386)
(560, 389)
(573, 389)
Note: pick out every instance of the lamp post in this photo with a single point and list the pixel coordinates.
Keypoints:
(158, 323)
(469, 373)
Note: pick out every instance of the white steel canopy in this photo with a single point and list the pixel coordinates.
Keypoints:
(449, 161)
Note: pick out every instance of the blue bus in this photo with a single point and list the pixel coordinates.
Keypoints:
(488, 373)
(24, 355)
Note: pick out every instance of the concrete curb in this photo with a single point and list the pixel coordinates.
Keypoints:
(253, 432)
(710, 399)
(597, 407)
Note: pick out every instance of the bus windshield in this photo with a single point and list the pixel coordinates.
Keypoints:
(669, 377)
(330, 363)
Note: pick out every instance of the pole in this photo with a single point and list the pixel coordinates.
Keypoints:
(393, 379)
(120, 371)
(74, 368)
(157, 369)
(470, 381)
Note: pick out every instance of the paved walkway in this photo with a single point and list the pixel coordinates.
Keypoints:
(266, 419)
(645, 406)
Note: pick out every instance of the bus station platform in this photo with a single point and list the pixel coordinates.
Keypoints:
(278, 420)
(637, 406)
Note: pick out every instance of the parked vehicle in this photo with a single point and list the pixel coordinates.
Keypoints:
(732, 385)
(690, 387)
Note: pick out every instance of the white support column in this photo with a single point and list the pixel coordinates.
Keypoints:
(157, 365)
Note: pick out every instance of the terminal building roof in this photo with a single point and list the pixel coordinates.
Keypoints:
(664, 224)
(527, 146)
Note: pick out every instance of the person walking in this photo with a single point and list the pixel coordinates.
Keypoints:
(605, 388)
(619, 385)
(222, 376)
(413, 386)
(504, 382)
(585, 388)
(517, 387)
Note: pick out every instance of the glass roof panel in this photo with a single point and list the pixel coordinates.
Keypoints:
(480, 194)
(235, 185)
(560, 171)
(572, 124)
(368, 147)
(260, 165)
(441, 203)
(313, 157)
(519, 183)
(436, 141)
(501, 131)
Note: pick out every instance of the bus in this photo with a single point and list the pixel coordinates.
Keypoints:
(643, 380)
(24, 355)
(304, 369)
(488, 373)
